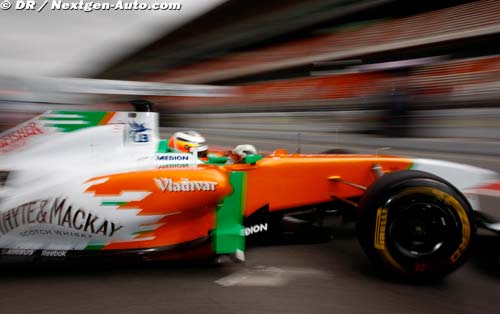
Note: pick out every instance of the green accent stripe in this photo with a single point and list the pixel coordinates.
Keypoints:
(111, 203)
(228, 236)
(94, 247)
(143, 232)
(90, 119)
(162, 146)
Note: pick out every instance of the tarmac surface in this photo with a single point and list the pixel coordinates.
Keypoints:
(293, 276)
(301, 278)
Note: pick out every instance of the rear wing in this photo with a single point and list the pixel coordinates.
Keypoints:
(141, 128)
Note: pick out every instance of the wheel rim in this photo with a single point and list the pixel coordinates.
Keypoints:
(422, 228)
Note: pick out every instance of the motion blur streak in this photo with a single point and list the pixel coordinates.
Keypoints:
(412, 77)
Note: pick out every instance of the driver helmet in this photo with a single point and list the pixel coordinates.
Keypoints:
(187, 142)
(239, 152)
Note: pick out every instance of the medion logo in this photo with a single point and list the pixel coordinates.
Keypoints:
(255, 229)
(185, 185)
(172, 157)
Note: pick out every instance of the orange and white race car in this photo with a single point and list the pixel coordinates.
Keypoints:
(96, 184)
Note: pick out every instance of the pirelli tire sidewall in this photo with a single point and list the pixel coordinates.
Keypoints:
(392, 202)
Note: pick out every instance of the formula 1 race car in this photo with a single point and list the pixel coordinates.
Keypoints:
(103, 184)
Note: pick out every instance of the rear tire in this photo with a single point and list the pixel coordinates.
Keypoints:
(415, 224)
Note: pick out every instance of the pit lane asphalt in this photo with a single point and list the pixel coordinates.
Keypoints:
(290, 277)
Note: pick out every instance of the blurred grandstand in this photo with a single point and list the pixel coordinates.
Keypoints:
(422, 68)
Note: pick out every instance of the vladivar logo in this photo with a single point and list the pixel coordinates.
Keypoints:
(185, 185)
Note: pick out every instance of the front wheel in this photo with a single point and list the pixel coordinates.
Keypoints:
(415, 224)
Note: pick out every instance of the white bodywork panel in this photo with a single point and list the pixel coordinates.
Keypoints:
(469, 180)
(49, 168)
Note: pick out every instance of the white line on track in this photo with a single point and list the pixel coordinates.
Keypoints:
(267, 276)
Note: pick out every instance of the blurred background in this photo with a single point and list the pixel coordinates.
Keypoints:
(423, 69)
(420, 77)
